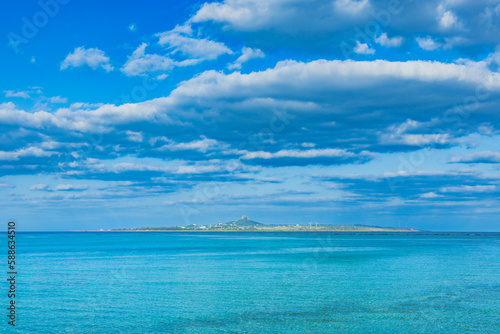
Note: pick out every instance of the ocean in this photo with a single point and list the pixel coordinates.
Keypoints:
(154, 282)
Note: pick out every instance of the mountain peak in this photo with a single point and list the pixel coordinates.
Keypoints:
(244, 217)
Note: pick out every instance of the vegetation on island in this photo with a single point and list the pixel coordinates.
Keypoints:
(245, 224)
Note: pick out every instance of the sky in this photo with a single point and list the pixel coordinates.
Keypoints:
(162, 113)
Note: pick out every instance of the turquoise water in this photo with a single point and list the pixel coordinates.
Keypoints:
(256, 283)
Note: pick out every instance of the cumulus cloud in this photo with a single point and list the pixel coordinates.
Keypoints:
(244, 127)
(447, 19)
(92, 57)
(344, 20)
(203, 49)
(221, 116)
(363, 49)
(140, 63)
(177, 41)
(427, 43)
(282, 15)
(101, 118)
(247, 54)
(389, 42)
(12, 93)
(266, 88)
(58, 99)
(134, 136)
(333, 73)
(237, 13)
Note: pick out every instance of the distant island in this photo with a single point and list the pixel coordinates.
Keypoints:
(245, 224)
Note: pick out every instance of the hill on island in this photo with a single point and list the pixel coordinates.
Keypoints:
(245, 224)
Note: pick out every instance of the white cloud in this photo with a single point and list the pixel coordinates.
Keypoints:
(247, 54)
(209, 167)
(363, 48)
(305, 154)
(318, 76)
(352, 7)
(140, 63)
(468, 189)
(202, 49)
(132, 28)
(305, 19)
(323, 74)
(430, 195)
(396, 134)
(92, 57)
(185, 29)
(6, 185)
(134, 136)
(70, 187)
(237, 13)
(40, 187)
(24, 152)
(427, 43)
(478, 157)
(447, 20)
(162, 77)
(494, 57)
(12, 93)
(417, 139)
(283, 15)
(404, 173)
(88, 119)
(389, 42)
(426, 139)
(202, 145)
(58, 99)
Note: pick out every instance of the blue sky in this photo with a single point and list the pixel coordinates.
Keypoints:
(156, 113)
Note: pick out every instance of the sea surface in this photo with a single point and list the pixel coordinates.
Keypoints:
(154, 282)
